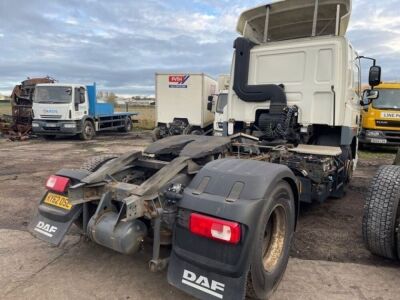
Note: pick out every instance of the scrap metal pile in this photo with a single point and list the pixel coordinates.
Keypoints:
(18, 126)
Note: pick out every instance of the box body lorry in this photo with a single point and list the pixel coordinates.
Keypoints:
(181, 104)
(381, 117)
(72, 109)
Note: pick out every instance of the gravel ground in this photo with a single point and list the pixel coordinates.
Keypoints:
(326, 232)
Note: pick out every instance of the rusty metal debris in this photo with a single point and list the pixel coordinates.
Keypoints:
(18, 126)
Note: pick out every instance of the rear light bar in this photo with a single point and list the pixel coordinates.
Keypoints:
(213, 228)
(57, 183)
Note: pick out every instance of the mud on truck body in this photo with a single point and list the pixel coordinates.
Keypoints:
(228, 205)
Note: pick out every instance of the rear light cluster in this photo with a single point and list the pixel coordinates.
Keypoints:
(216, 229)
(57, 183)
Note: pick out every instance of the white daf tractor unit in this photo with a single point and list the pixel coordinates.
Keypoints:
(181, 104)
(228, 205)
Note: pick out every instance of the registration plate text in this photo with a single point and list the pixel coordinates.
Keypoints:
(58, 200)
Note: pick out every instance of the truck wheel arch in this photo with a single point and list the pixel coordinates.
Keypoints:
(214, 192)
(88, 118)
(221, 176)
(296, 195)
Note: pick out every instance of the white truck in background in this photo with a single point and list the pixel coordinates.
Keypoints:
(181, 104)
(219, 107)
(61, 109)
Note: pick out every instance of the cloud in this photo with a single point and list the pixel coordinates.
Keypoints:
(121, 44)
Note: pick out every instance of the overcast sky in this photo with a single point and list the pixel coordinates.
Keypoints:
(121, 44)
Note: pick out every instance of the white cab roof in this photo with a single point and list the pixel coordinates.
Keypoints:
(291, 19)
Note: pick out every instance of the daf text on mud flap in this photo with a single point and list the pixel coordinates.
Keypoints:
(45, 229)
(203, 284)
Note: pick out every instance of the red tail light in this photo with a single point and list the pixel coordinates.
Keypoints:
(57, 183)
(214, 228)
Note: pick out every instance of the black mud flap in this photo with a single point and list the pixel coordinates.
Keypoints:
(51, 224)
(204, 284)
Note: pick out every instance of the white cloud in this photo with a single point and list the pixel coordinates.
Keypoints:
(120, 44)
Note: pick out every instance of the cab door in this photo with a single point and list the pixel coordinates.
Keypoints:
(80, 102)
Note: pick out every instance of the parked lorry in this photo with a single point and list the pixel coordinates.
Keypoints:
(229, 205)
(181, 104)
(220, 110)
(381, 219)
(381, 118)
(72, 109)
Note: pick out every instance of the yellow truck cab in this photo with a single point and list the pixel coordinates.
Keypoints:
(381, 118)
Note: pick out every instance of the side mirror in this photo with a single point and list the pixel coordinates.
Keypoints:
(374, 76)
(209, 105)
(369, 96)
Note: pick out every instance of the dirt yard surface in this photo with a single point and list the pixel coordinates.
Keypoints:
(328, 258)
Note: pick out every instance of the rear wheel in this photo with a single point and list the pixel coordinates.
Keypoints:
(347, 158)
(271, 249)
(88, 131)
(382, 213)
(91, 165)
(197, 132)
(127, 126)
(94, 163)
(398, 238)
(49, 137)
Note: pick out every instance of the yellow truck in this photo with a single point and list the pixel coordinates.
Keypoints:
(381, 118)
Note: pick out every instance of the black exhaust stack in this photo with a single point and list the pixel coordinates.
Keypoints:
(254, 93)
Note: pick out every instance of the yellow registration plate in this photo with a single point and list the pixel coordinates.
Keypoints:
(58, 200)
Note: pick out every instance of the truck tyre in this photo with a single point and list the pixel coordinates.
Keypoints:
(127, 125)
(398, 238)
(88, 131)
(156, 134)
(94, 163)
(347, 158)
(382, 213)
(273, 240)
(193, 130)
(197, 132)
(49, 137)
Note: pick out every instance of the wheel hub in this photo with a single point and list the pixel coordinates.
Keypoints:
(274, 238)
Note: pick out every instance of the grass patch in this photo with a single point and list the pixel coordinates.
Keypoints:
(378, 153)
(5, 108)
(146, 117)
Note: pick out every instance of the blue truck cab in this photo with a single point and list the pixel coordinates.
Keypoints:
(73, 109)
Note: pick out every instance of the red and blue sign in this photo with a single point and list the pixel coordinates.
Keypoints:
(178, 81)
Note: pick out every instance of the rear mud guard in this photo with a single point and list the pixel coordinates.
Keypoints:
(229, 189)
(51, 224)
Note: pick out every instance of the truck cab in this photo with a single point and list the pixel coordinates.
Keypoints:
(59, 107)
(307, 78)
(72, 109)
(220, 105)
(220, 112)
(381, 117)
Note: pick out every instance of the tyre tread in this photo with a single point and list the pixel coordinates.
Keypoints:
(381, 211)
(94, 163)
